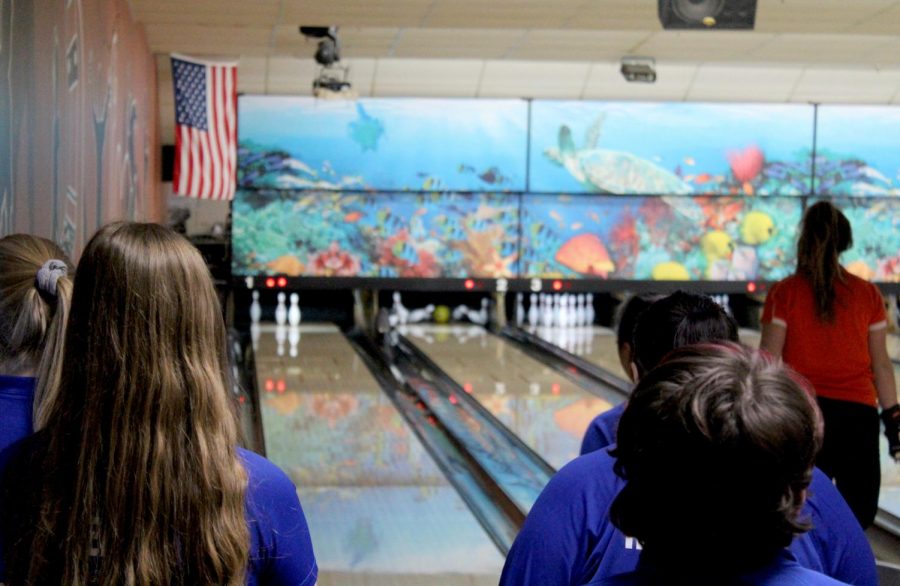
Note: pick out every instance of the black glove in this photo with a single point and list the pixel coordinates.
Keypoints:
(891, 419)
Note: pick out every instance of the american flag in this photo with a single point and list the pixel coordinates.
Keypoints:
(205, 128)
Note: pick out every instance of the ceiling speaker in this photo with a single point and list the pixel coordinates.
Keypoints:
(707, 14)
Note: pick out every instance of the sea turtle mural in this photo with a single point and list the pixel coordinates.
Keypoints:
(609, 171)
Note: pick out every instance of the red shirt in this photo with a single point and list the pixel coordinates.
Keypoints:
(833, 356)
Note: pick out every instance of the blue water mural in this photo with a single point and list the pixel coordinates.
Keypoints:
(659, 238)
(875, 254)
(382, 144)
(857, 150)
(670, 148)
(327, 234)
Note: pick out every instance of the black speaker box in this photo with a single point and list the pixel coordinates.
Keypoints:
(707, 14)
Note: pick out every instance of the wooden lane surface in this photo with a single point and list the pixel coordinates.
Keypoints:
(547, 411)
(379, 509)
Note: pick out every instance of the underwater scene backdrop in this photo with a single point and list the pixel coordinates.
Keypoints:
(857, 150)
(382, 144)
(671, 148)
(430, 188)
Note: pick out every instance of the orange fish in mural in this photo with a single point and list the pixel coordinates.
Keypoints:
(353, 217)
(287, 265)
(585, 254)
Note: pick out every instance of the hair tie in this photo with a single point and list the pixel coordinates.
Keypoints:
(49, 274)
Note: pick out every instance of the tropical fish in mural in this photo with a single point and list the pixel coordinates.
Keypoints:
(479, 250)
(287, 265)
(717, 246)
(491, 176)
(757, 228)
(670, 271)
(366, 130)
(585, 254)
(861, 269)
(609, 171)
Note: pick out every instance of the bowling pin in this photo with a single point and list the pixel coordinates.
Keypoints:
(280, 311)
(294, 311)
(399, 309)
(255, 309)
(293, 339)
(589, 310)
(420, 315)
(579, 310)
(520, 310)
(533, 311)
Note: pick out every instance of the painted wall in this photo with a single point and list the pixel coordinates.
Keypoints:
(78, 110)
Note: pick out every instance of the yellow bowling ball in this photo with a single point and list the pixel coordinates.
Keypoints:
(441, 314)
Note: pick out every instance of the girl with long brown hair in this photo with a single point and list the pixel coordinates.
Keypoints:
(831, 327)
(35, 291)
(135, 477)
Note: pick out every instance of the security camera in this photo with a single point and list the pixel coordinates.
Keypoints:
(639, 69)
(328, 50)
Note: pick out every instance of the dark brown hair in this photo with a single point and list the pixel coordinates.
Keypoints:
(717, 446)
(824, 235)
(677, 320)
(135, 478)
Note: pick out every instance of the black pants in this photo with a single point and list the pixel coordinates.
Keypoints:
(850, 455)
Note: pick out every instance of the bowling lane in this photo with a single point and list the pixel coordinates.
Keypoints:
(893, 344)
(541, 406)
(749, 337)
(595, 344)
(379, 509)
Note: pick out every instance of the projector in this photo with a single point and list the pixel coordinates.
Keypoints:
(639, 69)
(329, 87)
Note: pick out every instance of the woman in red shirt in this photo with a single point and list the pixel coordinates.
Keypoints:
(831, 327)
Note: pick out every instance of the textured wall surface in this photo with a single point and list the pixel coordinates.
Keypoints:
(78, 144)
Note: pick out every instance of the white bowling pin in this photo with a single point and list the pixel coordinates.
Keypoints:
(589, 310)
(255, 309)
(280, 311)
(399, 309)
(533, 315)
(520, 310)
(294, 311)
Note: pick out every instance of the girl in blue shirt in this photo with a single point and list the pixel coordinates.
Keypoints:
(135, 477)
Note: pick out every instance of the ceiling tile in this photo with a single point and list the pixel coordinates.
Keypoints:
(743, 83)
(847, 86)
(224, 41)
(534, 79)
(456, 43)
(426, 77)
(577, 45)
(368, 13)
(207, 12)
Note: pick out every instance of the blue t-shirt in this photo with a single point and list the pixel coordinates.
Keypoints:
(569, 539)
(281, 551)
(783, 570)
(602, 430)
(16, 408)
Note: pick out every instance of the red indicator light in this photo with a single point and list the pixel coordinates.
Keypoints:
(467, 387)
(270, 282)
(554, 388)
(270, 385)
(282, 282)
(469, 284)
(453, 400)
(280, 386)
(241, 400)
(557, 285)
(432, 420)
(751, 287)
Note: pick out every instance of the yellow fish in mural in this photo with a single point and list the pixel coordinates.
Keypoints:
(670, 271)
(757, 228)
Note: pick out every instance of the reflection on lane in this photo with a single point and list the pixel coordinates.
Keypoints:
(543, 408)
(377, 505)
